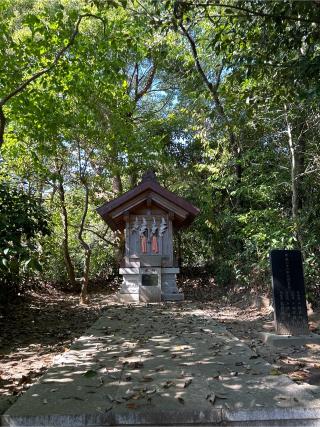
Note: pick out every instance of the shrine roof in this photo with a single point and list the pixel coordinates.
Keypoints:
(148, 192)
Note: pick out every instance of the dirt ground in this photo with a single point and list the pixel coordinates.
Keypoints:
(33, 330)
(44, 323)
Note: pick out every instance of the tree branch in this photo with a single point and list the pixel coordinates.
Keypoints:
(148, 83)
(255, 13)
(213, 88)
(84, 244)
(196, 58)
(100, 236)
(218, 77)
(40, 73)
(136, 81)
(131, 78)
(2, 125)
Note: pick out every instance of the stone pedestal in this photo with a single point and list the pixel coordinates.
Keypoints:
(169, 290)
(149, 284)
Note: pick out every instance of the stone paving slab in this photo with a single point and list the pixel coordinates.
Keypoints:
(158, 365)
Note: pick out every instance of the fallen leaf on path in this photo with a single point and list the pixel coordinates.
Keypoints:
(275, 371)
(146, 379)
(136, 396)
(254, 356)
(187, 383)
(299, 375)
(135, 365)
(132, 406)
(211, 398)
(73, 397)
(168, 384)
(221, 396)
(90, 373)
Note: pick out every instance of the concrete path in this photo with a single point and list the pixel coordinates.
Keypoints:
(161, 365)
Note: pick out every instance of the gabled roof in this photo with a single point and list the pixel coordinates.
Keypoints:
(148, 191)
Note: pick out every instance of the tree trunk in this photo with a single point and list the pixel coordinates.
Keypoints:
(133, 178)
(119, 235)
(117, 184)
(300, 164)
(294, 179)
(87, 250)
(85, 278)
(65, 241)
(2, 125)
(119, 247)
(293, 168)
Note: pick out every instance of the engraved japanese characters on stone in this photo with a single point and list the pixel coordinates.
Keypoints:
(289, 292)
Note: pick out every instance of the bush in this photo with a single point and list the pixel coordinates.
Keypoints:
(22, 221)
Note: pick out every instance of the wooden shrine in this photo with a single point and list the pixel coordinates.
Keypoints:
(148, 214)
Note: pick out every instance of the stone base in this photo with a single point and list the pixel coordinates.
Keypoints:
(135, 289)
(172, 297)
(289, 340)
(127, 298)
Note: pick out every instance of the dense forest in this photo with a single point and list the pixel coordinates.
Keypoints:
(219, 98)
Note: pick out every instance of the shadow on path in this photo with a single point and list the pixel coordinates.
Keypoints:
(160, 364)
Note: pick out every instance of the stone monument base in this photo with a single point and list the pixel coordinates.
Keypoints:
(289, 340)
(149, 284)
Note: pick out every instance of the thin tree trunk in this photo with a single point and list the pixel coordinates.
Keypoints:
(120, 246)
(133, 178)
(87, 250)
(117, 184)
(85, 280)
(2, 125)
(294, 179)
(300, 164)
(119, 235)
(65, 240)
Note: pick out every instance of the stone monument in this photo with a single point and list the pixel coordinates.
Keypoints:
(290, 310)
(148, 215)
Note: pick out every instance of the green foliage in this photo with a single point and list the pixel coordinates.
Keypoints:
(22, 222)
(221, 143)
